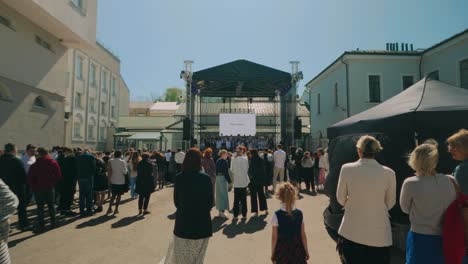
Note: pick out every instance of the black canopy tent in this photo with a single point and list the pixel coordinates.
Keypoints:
(241, 78)
(428, 109)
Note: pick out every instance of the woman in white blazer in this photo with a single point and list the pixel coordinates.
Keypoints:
(367, 191)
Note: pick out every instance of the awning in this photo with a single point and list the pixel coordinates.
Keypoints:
(145, 136)
(124, 134)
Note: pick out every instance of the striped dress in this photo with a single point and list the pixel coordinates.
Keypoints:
(9, 204)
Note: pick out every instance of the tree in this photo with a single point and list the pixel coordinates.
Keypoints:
(173, 94)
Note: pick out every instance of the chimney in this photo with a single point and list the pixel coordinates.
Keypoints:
(396, 46)
(411, 46)
(406, 47)
(388, 46)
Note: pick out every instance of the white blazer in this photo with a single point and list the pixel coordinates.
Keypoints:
(240, 169)
(367, 191)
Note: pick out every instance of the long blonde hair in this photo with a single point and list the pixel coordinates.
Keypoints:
(286, 193)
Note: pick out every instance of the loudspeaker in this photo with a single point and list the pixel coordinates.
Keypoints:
(186, 133)
(297, 128)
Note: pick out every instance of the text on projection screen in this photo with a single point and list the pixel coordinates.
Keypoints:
(237, 124)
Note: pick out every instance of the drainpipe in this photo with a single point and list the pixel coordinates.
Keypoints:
(347, 87)
(420, 66)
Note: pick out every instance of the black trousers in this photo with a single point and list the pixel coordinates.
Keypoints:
(21, 193)
(257, 194)
(143, 201)
(43, 198)
(353, 253)
(240, 201)
(308, 175)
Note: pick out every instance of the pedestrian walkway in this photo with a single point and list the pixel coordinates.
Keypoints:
(127, 238)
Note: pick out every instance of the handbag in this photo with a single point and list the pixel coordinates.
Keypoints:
(463, 207)
(454, 229)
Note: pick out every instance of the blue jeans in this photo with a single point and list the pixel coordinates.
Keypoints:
(86, 196)
(132, 187)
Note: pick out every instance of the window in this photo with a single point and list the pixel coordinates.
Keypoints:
(5, 93)
(113, 111)
(103, 108)
(77, 129)
(336, 95)
(102, 133)
(374, 89)
(408, 80)
(78, 3)
(464, 74)
(113, 87)
(79, 68)
(104, 81)
(5, 21)
(92, 103)
(318, 103)
(91, 131)
(39, 102)
(92, 76)
(43, 43)
(433, 75)
(78, 98)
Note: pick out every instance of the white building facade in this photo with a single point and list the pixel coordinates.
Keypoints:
(58, 86)
(97, 97)
(35, 37)
(359, 80)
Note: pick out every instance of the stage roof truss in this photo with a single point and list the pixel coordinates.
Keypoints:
(241, 78)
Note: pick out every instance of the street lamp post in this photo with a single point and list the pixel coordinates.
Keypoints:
(296, 77)
(189, 111)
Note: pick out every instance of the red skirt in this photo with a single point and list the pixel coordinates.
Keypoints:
(289, 251)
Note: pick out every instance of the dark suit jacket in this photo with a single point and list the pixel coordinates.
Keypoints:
(193, 198)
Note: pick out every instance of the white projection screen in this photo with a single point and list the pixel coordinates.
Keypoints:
(237, 124)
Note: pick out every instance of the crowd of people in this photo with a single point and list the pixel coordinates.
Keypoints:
(202, 181)
(366, 190)
(230, 142)
(53, 178)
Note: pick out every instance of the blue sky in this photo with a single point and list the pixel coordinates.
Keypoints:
(153, 37)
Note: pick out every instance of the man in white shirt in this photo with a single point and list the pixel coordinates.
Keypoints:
(367, 191)
(179, 159)
(240, 177)
(117, 169)
(29, 157)
(279, 159)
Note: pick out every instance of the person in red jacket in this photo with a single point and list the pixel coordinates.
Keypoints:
(43, 175)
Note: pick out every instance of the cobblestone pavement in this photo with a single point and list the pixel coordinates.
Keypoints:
(127, 238)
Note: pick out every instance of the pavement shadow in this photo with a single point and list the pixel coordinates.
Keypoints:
(233, 229)
(255, 224)
(236, 227)
(126, 221)
(95, 221)
(172, 216)
(13, 243)
(218, 223)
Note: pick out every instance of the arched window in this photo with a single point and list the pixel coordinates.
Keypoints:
(92, 129)
(103, 131)
(39, 102)
(77, 126)
(5, 93)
